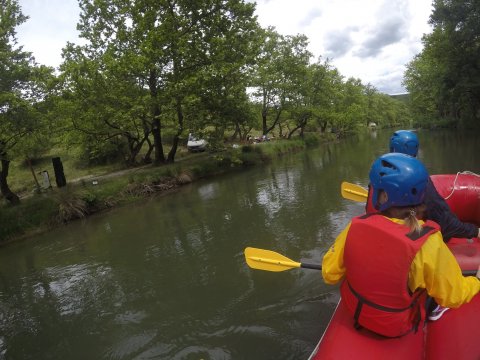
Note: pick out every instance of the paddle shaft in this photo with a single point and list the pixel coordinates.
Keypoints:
(319, 267)
(311, 266)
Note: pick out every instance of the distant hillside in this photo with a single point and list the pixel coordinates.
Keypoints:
(402, 97)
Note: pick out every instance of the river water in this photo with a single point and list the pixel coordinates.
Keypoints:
(167, 278)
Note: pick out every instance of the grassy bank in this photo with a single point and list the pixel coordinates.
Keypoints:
(57, 206)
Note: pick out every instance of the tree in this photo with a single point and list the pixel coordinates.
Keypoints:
(22, 89)
(351, 106)
(107, 109)
(324, 85)
(161, 46)
(280, 69)
(459, 23)
(445, 78)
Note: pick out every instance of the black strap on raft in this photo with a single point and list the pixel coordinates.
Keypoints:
(358, 310)
(362, 301)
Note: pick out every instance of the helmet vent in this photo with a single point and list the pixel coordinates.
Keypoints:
(414, 191)
(388, 164)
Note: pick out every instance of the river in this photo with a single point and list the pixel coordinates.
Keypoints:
(167, 279)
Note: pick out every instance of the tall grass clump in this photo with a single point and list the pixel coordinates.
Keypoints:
(71, 205)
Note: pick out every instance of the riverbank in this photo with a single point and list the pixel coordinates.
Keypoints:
(85, 197)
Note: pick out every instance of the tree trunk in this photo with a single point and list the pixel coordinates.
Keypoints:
(324, 126)
(156, 131)
(4, 188)
(264, 121)
(173, 150)
(275, 122)
(264, 112)
(157, 143)
(238, 132)
(147, 159)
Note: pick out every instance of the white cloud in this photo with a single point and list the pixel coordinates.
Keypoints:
(50, 25)
(370, 39)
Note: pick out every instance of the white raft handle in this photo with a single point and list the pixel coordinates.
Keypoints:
(466, 172)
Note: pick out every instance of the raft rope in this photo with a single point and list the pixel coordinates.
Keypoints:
(466, 172)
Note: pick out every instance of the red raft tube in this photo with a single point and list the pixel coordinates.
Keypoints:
(462, 194)
(453, 336)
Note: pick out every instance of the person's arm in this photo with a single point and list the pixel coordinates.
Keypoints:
(333, 268)
(435, 269)
(439, 211)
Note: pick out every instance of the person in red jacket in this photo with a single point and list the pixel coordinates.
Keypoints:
(377, 254)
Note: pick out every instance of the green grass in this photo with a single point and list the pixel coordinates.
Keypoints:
(21, 181)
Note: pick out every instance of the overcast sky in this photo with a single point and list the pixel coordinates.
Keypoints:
(368, 39)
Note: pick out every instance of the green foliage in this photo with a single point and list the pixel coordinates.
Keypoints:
(166, 64)
(102, 152)
(311, 140)
(23, 88)
(279, 74)
(444, 79)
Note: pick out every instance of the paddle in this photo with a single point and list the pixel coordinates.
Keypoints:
(271, 261)
(354, 192)
(268, 260)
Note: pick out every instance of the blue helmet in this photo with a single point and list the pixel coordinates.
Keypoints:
(402, 177)
(404, 141)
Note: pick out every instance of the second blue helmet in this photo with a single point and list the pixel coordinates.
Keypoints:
(405, 142)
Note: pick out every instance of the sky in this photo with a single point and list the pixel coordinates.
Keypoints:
(372, 40)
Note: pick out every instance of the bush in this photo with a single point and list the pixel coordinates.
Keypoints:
(311, 140)
(101, 153)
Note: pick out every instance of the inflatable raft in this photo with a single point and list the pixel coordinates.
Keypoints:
(462, 194)
(455, 335)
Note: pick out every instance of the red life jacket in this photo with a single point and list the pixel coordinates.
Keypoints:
(378, 255)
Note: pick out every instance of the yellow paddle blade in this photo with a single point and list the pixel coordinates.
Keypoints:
(354, 192)
(268, 260)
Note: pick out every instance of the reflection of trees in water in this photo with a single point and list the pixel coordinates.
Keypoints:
(448, 152)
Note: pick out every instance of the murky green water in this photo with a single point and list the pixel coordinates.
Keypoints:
(167, 279)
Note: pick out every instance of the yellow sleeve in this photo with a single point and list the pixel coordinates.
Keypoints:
(435, 269)
(333, 268)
